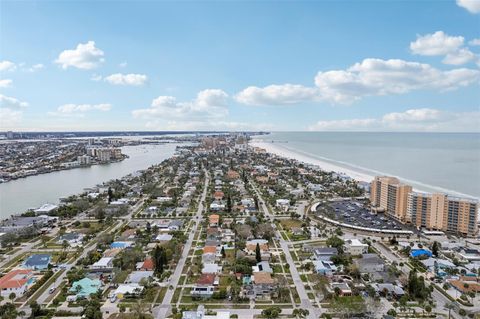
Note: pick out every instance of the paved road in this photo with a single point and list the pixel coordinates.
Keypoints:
(162, 311)
(304, 300)
(24, 248)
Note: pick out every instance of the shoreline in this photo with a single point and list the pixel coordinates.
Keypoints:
(324, 165)
(354, 174)
(59, 169)
(67, 182)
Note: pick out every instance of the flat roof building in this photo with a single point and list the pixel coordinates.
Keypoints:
(390, 195)
(443, 212)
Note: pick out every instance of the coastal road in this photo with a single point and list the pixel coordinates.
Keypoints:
(162, 311)
(304, 299)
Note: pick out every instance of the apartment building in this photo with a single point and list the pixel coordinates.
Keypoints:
(390, 195)
(443, 212)
(432, 211)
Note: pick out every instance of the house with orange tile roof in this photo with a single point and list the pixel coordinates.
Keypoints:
(231, 174)
(251, 246)
(263, 284)
(218, 195)
(147, 265)
(466, 284)
(205, 286)
(209, 250)
(262, 179)
(214, 220)
(16, 281)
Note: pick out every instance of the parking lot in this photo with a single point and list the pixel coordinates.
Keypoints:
(354, 213)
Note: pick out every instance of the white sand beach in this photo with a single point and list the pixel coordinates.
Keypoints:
(356, 175)
(324, 165)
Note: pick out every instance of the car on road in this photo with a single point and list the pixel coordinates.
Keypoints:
(52, 290)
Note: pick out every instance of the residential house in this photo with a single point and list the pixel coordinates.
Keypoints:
(218, 195)
(214, 220)
(211, 269)
(137, 276)
(104, 264)
(231, 174)
(323, 267)
(420, 253)
(37, 262)
(147, 265)
(469, 254)
(73, 239)
(85, 287)
(175, 225)
(163, 238)
(217, 206)
(127, 289)
(263, 283)
(282, 204)
(356, 247)
(205, 286)
(370, 263)
(200, 314)
(16, 281)
(388, 289)
(466, 284)
(262, 266)
(342, 287)
(324, 253)
(438, 266)
(251, 247)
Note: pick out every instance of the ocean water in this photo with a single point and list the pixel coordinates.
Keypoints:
(19, 195)
(445, 162)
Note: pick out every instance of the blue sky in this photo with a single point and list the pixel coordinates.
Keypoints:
(316, 65)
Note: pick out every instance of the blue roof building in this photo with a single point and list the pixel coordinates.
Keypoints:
(420, 252)
(121, 244)
(37, 261)
(85, 287)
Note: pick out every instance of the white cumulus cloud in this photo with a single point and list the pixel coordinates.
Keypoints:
(79, 109)
(126, 79)
(371, 77)
(440, 43)
(9, 118)
(7, 66)
(36, 67)
(85, 56)
(472, 6)
(437, 43)
(11, 102)
(474, 42)
(209, 104)
(11, 111)
(5, 83)
(424, 119)
(277, 95)
(460, 57)
(383, 77)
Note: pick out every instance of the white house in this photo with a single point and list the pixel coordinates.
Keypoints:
(123, 289)
(16, 281)
(356, 247)
(105, 263)
(211, 269)
(282, 204)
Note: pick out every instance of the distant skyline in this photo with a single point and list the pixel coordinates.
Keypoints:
(273, 66)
